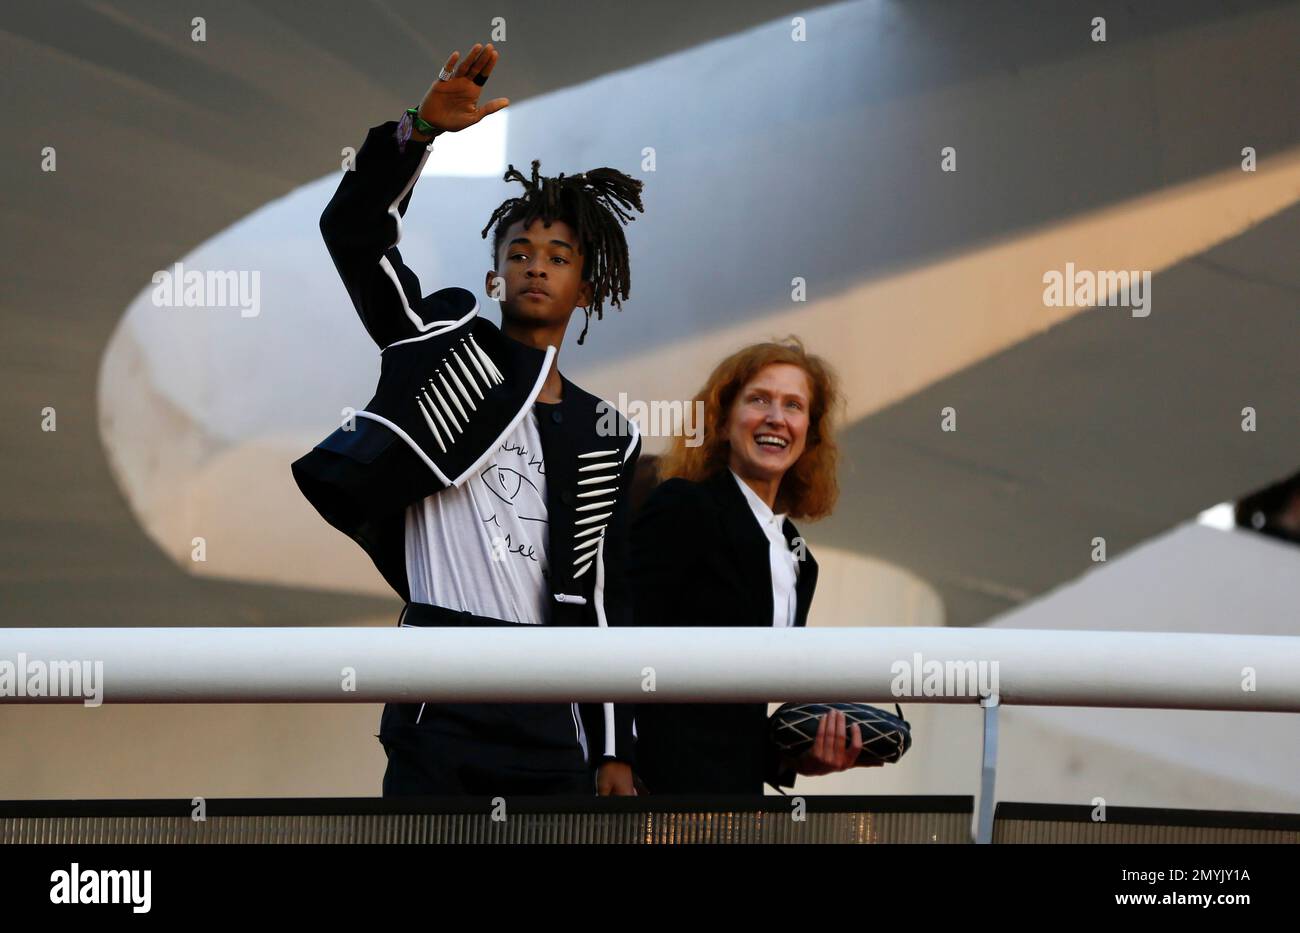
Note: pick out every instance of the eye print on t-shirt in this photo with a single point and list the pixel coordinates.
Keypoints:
(516, 481)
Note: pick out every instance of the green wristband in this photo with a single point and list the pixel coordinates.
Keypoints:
(428, 129)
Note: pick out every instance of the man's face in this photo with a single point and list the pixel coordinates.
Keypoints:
(542, 269)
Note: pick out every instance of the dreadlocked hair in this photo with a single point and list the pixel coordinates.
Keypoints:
(596, 204)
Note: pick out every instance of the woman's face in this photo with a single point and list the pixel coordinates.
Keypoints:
(768, 424)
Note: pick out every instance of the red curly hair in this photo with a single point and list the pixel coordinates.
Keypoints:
(809, 488)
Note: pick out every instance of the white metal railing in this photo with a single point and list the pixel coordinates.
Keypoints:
(994, 667)
(369, 665)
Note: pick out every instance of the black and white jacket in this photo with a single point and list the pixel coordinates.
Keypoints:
(451, 388)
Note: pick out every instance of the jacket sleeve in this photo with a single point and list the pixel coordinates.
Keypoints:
(610, 725)
(663, 547)
(664, 550)
(362, 225)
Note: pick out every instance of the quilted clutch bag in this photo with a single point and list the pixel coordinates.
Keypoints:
(885, 737)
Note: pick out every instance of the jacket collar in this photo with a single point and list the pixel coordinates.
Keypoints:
(750, 547)
(761, 510)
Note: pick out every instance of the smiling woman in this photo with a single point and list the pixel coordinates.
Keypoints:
(713, 546)
(785, 397)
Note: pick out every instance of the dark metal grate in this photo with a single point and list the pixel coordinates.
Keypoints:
(621, 820)
(1043, 822)
(627, 825)
(1031, 831)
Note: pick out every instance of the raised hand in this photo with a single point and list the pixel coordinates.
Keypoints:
(452, 105)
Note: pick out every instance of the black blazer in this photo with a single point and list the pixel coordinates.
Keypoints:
(698, 556)
(450, 387)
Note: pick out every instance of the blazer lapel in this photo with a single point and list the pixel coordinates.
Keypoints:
(807, 579)
(749, 556)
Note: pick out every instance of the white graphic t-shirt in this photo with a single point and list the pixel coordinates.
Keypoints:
(481, 548)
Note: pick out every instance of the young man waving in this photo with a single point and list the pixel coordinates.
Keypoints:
(487, 488)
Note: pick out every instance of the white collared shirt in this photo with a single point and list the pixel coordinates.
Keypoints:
(785, 566)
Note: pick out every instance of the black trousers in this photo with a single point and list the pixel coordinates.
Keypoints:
(480, 749)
